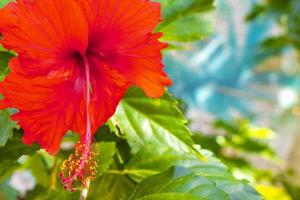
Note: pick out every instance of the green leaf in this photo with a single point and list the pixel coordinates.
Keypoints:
(147, 121)
(6, 169)
(4, 59)
(175, 183)
(6, 126)
(111, 187)
(41, 193)
(11, 152)
(38, 167)
(106, 152)
(185, 20)
(152, 160)
(172, 196)
(7, 192)
(4, 2)
(15, 148)
(189, 28)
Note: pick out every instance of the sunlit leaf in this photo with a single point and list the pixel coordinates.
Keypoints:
(147, 121)
(185, 20)
(152, 160)
(176, 183)
(271, 192)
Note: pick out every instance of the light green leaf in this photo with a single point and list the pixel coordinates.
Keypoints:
(146, 121)
(4, 2)
(185, 20)
(38, 168)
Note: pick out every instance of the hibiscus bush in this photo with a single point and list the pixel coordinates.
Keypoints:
(85, 113)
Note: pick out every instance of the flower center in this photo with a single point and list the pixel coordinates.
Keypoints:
(73, 174)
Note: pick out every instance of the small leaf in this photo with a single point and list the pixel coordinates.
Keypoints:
(6, 126)
(4, 2)
(4, 59)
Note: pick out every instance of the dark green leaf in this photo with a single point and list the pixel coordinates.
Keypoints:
(11, 152)
(4, 59)
(15, 148)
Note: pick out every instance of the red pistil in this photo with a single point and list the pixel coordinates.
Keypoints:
(81, 165)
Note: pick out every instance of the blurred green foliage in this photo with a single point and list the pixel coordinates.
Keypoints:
(240, 146)
(286, 13)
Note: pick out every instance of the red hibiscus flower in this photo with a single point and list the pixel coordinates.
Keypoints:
(75, 60)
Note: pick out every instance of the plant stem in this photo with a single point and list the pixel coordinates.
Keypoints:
(85, 191)
(53, 176)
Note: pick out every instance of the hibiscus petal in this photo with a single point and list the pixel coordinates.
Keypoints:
(120, 23)
(121, 36)
(108, 88)
(47, 107)
(44, 33)
(142, 66)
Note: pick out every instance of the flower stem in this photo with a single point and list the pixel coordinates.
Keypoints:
(85, 191)
(53, 177)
